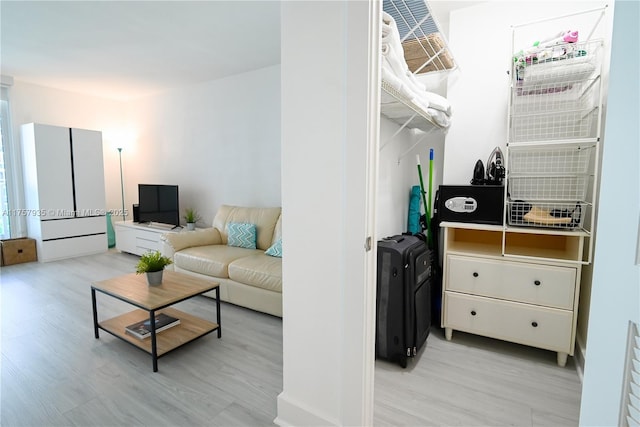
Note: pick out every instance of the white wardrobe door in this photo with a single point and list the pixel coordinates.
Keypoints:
(53, 165)
(88, 170)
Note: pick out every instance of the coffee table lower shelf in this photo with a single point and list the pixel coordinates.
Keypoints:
(189, 329)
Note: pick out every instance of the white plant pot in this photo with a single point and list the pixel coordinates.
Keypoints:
(154, 278)
(191, 226)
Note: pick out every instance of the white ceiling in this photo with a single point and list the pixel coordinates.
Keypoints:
(126, 49)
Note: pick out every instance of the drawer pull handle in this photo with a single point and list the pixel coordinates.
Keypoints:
(534, 324)
(475, 274)
(537, 283)
(473, 312)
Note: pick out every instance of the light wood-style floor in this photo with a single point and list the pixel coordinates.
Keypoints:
(53, 371)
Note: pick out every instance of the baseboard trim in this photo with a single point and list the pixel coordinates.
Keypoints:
(292, 413)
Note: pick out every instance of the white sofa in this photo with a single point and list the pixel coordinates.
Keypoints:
(247, 277)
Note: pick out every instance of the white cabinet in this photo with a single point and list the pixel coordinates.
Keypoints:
(137, 239)
(530, 297)
(515, 281)
(520, 281)
(88, 170)
(64, 190)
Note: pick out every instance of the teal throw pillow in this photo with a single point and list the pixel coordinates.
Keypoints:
(275, 249)
(241, 234)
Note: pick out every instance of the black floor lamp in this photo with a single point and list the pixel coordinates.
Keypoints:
(121, 183)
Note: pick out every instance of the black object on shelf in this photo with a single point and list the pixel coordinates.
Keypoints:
(482, 204)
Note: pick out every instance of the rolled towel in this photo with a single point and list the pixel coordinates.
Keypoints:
(417, 84)
(410, 86)
(438, 102)
(389, 76)
(390, 33)
(397, 64)
(400, 85)
(392, 50)
(439, 118)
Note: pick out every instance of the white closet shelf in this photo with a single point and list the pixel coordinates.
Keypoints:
(404, 112)
(424, 49)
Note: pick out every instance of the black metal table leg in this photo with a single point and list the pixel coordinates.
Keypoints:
(95, 313)
(218, 311)
(154, 348)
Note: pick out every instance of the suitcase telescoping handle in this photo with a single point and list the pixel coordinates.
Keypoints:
(395, 239)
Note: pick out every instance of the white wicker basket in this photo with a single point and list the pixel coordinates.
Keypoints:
(550, 159)
(547, 215)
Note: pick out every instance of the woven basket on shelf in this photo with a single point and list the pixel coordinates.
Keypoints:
(419, 51)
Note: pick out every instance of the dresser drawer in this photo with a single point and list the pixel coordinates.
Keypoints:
(542, 327)
(549, 286)
(75, 246)
(145, 245)
(73, 227)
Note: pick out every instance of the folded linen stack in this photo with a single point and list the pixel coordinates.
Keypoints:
(396, 73)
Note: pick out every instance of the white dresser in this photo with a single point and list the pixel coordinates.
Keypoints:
(136, 238)
(519, 285)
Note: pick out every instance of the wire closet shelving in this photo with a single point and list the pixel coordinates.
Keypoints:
(425, 50)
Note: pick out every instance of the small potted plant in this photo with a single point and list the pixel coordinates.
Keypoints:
(153, 264)
(191, 216)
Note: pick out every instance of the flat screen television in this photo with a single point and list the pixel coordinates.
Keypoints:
(158, 203)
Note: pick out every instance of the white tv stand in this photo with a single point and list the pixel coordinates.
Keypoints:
(138, 238)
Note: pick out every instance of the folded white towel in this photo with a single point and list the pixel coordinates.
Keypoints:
(399, 81)
(439, 117)
(397, 62)
(395, 72)
(438, 102)
(417, 85)
(390, 33)
(394, 53)
(389, 76)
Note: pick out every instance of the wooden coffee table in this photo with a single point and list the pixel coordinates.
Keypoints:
(150, 300)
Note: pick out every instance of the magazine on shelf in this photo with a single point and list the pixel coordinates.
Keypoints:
(142, 329)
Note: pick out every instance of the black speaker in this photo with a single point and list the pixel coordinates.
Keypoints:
(136, 213)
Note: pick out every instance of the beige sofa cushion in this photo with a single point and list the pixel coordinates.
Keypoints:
(212, 260)
(200, 237)
(265, 220)
(259, 270)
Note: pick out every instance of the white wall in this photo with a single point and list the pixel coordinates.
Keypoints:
(398, 172)
(219, 141)
(615, 293)
(480, 36)
(327, 167)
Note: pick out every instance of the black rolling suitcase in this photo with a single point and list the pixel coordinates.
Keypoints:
(403, 302)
